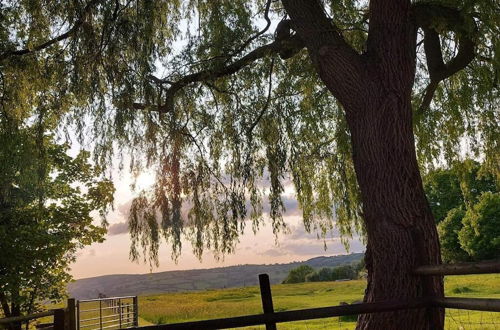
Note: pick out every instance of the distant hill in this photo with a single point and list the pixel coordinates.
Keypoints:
(196, 279)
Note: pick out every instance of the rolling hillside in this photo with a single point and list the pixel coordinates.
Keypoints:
(193, 280)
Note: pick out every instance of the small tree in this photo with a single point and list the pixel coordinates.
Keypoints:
(343, 272)
(448, 230)
(325, 274)
(298, 275)
(480, 235)
(46, 201)
(459, 186)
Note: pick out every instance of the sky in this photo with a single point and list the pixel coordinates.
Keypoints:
(112, 256)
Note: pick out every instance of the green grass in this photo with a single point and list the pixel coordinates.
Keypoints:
(210, 304)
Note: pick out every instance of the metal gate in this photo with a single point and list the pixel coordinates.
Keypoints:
(107, 313)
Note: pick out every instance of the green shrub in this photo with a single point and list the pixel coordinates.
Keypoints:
(462, 289)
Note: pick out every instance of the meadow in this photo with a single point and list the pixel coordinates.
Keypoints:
(209, 304)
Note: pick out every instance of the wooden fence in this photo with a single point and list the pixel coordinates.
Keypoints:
(69, 319)
(270, 318)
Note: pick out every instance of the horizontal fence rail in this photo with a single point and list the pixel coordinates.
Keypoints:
(478, 304)
(24, 318)
(295, 315)
(59, 315)
(468, 268)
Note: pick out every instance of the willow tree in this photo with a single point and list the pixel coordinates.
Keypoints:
(347, 100)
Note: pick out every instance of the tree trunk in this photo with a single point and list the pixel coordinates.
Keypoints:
(400, 227)
(375, 90)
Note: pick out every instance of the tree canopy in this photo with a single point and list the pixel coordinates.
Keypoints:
(220, 101)
(451, 193)
(299, 274)
(458, 186)
(480, 235)
(47, 201)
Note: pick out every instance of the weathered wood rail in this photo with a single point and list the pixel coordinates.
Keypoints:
(294, 315)
(59, 323)
(468, 268)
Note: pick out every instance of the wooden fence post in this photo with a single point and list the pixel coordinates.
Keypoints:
(267, 298)
(136, 311)
(59, 319)
(72, 314)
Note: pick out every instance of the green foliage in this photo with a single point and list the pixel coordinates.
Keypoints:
(306, 273)
(46, 203)
(480, 235)
(448, 229)
(461, 289)
(451, 192)
(457, 187)
(220, 136)
(442, 188)
(298, 275)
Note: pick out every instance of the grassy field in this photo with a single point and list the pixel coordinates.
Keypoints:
(190, 306)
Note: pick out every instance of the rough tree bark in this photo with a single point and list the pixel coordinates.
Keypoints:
(400, 226)
(375, 91)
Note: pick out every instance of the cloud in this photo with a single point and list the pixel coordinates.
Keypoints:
(118, 228)
(124, 208)
(299, 232)
(277, 252)
(301, 243)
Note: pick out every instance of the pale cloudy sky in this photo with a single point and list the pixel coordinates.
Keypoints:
(112, 256)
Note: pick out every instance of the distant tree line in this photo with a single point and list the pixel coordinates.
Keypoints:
(306, 273)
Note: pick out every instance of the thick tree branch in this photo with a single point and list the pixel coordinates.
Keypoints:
(427, 17)
(338, 64)
(293, 44)
(5, 304)
(52, 41)
(258, 34)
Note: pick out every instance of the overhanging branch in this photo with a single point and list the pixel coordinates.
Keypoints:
(292, 44)
(337, 62)
(55, 40)
(428, 17)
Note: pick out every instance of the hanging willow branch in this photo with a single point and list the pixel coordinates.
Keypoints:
(429, 17)
(70, 33)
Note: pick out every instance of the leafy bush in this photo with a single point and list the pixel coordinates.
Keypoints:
(308, 274)
(480, 235)
(298, 275)
(462, 289)
(448, 229)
